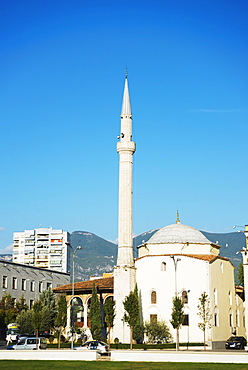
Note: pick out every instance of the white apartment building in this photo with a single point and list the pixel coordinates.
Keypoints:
(43, 248)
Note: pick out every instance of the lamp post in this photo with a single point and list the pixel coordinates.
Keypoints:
(175, 260)
(188, 291)
(74, 251)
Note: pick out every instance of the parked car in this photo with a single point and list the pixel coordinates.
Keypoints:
(96, 345)
(236, 343)
(29, 343)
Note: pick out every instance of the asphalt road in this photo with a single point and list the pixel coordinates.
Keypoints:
(4, 346)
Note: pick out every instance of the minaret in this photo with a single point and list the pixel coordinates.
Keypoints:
(124, 272)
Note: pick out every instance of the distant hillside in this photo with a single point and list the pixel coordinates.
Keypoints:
(99, 255)
(96, 256)
(230, 243)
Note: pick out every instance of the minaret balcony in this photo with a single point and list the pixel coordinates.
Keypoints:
(126, 146)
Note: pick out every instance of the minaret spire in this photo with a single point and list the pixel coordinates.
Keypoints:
(126, 104)
(124, 272)
(125, 148)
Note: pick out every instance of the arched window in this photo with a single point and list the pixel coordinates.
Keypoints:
(109, 297)
(230, 298)
(163, 266)
(215, 296)
(215, 316)
(230, 318)
(221, 267)
(153, 297)
(237, 318)
(185, 296)
(88, 304)
(78, 310)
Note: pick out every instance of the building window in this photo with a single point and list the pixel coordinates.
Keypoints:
(163, 266)
(185, 320)
(24, 284)
(40, 286)
(153, 318)
(221, 267)
(215, 296)
(237, 300)
(49, 285)
(237, 318)
(215, 316)
(244, 318)
(14, 283)
(32, 286)
(230, 318)
(153, 297)
(5, 282)
(185, 296)
(31, 302)
(230, 298)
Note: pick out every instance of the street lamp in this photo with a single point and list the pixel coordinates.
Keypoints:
(175, 260)
(74, 251)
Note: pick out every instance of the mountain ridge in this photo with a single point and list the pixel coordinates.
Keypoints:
(99, 255)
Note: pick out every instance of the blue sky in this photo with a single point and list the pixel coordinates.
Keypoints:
(62, 70)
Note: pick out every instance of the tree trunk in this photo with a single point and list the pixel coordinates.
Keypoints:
(36, 334)
(204, 340)
(59, 339)
(109, 328)
(131, 338)
(177, 340)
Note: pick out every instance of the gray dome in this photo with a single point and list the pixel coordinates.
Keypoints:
(178, 233)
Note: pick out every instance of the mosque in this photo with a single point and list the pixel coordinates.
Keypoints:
(177, 260)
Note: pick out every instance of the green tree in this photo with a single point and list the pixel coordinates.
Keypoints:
(8, 310)
(205, 314)
(41, 318)
(95, 315)
(109, 310)
(177, 317)
(21, 304)
(240, 275)
(61, 316)
(132, 315)
(157, 330)
(48, 301)
(25, 321)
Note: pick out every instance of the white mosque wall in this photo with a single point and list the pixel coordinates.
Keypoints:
(191, 276)
(157, 273)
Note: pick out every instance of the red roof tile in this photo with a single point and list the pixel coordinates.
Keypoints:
(102, 284)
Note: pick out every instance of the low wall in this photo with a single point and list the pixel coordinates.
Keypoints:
(58, 354)
(166, 356)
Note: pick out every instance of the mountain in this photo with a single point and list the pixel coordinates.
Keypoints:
(231, 244)
(99, 255)
(96, 256)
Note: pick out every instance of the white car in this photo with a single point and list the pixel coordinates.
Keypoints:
(29, 343)
(96, 345)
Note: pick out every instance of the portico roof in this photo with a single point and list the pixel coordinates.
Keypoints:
(103, 285)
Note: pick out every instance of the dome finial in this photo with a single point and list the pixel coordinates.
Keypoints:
(178, 219)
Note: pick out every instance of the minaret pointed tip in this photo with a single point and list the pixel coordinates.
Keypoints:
(178, 218)
(126, 105)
